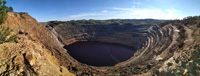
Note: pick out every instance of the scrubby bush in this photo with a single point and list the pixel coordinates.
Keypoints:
(5, 35)
(21, 14)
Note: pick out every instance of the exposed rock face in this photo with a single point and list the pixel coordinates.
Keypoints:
(127, 35)
(32, 54)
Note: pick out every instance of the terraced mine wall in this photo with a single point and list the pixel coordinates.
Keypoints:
(113, 34)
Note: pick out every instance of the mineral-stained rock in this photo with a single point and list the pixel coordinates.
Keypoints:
(31, 58)
(19, 59)
(3, 68)
(21, 31)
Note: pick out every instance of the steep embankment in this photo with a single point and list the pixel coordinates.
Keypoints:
(35, 50)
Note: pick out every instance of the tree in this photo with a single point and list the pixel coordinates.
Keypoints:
(3, 11)
(4, 2)
(10, 9)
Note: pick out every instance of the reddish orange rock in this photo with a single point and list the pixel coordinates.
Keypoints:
(31, 58)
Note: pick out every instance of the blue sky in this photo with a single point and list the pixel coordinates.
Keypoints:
(64, 10)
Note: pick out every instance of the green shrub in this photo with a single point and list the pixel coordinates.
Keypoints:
(15, 14)
(5, 35)
(21, 14)
(3, 11)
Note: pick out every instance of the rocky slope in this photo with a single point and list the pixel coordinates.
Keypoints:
(34, 52)
(39, 50)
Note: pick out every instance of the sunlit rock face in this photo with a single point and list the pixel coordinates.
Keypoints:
(35, 51)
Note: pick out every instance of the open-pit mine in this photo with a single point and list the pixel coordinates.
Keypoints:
(101, 47)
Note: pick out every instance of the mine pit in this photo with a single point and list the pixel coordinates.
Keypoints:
(99, 53)
(115, 48)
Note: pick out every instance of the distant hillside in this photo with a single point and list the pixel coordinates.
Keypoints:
(131, 22)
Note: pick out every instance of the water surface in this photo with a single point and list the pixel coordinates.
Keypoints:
(99, 53)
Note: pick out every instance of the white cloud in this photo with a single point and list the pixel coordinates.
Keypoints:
(131, 13)
(137, 11)
(122, 9)
(83, 15)
(136, 2)
(149, 13)
(156, 14)
(104, 11)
